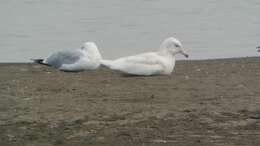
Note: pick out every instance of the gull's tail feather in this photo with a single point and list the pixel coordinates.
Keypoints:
(258, 49)
(39, 61)
(106, 63)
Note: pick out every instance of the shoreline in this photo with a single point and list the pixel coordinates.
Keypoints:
(181, 59)
(203, 102)
(178, 59)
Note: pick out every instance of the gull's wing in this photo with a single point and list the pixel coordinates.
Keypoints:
(84, 63)
(59, 58)
(142, 64)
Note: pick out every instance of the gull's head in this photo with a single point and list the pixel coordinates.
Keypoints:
(91, 49)
(89, 46)
(173, 46)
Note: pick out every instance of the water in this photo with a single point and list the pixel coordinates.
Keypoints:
(209, 28)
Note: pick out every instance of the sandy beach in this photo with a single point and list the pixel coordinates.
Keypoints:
(203, 103)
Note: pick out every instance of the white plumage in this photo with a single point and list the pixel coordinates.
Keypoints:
(161, 62)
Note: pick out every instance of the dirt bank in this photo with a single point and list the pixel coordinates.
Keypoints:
(211, 102)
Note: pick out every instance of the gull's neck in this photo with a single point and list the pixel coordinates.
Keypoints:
(167, 54)
(163, 52)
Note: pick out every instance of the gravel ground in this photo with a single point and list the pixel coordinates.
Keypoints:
(203, 103)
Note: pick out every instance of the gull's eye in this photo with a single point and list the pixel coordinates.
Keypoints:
(176, 45)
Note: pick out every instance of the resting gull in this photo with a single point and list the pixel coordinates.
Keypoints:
(161, 62)
(85, 58)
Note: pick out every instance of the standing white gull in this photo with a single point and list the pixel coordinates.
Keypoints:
(161, 62)
(85, 58)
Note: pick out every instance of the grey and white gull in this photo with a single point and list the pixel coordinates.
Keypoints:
(87, 57)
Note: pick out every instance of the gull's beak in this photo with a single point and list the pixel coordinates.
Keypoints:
(184, 53)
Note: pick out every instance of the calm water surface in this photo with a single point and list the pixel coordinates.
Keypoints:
(209, 28)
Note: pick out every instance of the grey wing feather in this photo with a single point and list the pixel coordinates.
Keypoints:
(63, 57)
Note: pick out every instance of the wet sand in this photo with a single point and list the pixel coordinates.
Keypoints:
(203, 103)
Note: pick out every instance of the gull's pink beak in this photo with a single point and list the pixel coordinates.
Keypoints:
(184, 53)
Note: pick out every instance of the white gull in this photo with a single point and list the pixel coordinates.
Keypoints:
(161, 62)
